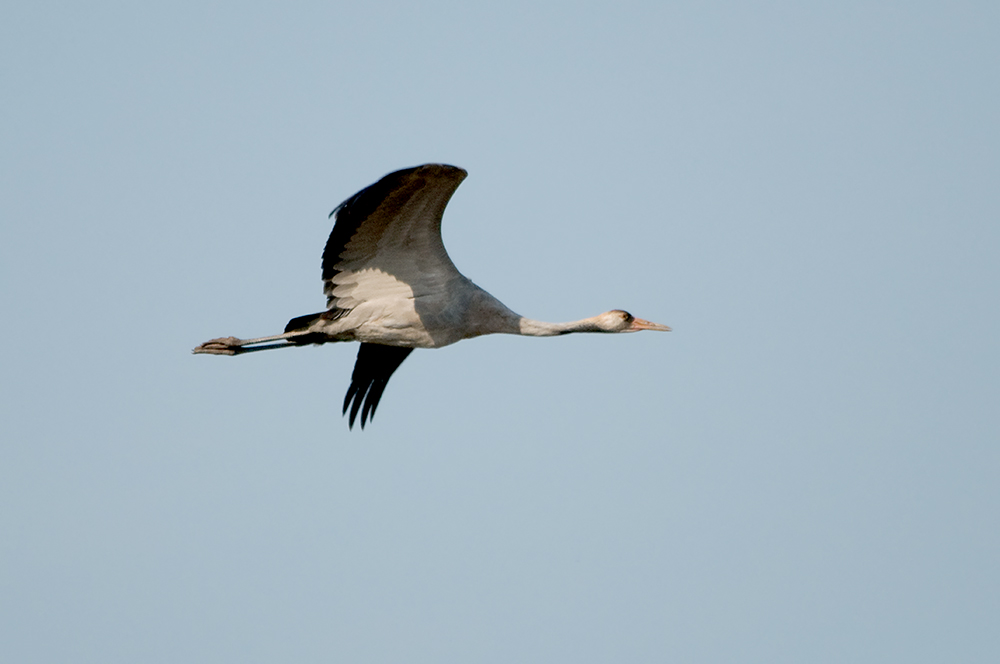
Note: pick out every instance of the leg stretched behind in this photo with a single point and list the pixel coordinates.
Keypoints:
(234, 346)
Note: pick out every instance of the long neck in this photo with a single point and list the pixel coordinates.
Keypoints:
(536, 328)
(488, 315)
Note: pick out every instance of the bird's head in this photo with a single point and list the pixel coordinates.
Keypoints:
(617, 320)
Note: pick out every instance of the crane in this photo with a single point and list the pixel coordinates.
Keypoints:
(390, 284)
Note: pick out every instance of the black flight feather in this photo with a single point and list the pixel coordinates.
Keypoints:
(374, 366)
(380, 207)
(355, 210)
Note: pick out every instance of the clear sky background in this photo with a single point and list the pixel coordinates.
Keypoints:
(805, 470)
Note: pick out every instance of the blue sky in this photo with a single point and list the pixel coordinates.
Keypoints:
(803, 470)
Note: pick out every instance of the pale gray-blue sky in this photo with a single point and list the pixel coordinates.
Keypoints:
(804, 470)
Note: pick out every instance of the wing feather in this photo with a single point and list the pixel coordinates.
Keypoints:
(372, 370)
(386, 241)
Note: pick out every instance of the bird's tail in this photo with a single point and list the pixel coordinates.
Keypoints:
(302, 323)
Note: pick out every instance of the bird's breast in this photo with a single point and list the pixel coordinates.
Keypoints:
(423, 318)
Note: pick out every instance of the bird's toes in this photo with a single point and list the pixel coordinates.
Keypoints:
(220, 346)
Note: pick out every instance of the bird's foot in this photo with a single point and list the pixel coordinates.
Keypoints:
(221, 346)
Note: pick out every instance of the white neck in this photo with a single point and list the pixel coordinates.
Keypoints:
(536, 328)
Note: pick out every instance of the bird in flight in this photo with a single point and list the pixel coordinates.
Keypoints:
(389, 284)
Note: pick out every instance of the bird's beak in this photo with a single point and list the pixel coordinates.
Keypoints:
(640, 324)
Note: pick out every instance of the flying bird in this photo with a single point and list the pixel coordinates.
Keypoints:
(390, 284)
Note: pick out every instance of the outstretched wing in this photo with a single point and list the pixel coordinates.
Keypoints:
(387, 238)
(374, 367)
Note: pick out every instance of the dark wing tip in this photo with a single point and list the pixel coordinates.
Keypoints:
(353, 212)
(372, 370)
(442, 170)
(376, 192)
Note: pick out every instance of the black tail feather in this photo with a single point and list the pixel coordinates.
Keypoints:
(302, 322)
